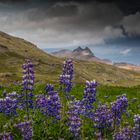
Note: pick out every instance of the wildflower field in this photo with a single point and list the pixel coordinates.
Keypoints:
(67, 111)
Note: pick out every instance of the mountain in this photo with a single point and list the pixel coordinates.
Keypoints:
(78, 53)
(82, 53)
(86, 54)
(13, 52)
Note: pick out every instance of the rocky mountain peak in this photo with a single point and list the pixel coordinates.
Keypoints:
(78, 49)
(84, 51)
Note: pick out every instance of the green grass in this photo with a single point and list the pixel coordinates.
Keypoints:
(44, 128)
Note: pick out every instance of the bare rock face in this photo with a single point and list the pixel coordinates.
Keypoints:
(83, 52)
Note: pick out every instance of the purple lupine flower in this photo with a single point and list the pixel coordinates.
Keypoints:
(118, 107)
(12, 95)
(49, 87)
(50, 104)
(123, 134)
(6, 136)
(41, 102)
(53, 105)
(66, 76)
(88, 98)
(103, 119)
(27, 85)
(136, 128)
(8, 106)
(25, 128)
(74, 117)
(68, 67)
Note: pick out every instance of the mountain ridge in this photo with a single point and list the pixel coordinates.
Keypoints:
(78, 54)
(48, 67)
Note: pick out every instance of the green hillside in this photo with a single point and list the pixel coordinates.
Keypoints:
(14, 50)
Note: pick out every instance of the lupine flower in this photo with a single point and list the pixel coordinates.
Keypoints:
(41, 102)
(12, 95)
(68, 67)
(6, 136)
(123, 134)
(8, 106)
(74, 118)
(103, 119)
(53, 105)
(89, 98)
(27, 85)
(66, 82)
(26, 129)
(49, 87)
(66, 76)
(136, 128)
(50, 104)
(118, 107)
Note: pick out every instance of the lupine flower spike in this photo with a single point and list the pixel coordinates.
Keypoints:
(66, 76)
(26, 129)
(6, 136)
(89, 98)
(49, 105)
(27, 85)
(136, 128)
(123, 134)
(74, 118)
(8, 106)
(118, 107)
(103, 119)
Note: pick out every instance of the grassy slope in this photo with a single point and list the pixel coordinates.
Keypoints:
(19, 49)
(14, 50)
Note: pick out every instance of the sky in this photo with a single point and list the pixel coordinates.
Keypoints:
(110, 28)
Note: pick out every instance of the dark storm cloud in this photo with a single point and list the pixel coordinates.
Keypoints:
(126, 6)
(58, 10)
(68, 22)
(78, 16)
(13, 1)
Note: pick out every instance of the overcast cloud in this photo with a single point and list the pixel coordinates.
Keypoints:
(61, 23)
(65, 24)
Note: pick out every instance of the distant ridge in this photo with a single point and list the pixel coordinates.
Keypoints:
(78, 53)
(86, 54)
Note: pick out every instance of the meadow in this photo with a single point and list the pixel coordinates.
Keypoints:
(67, 110)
